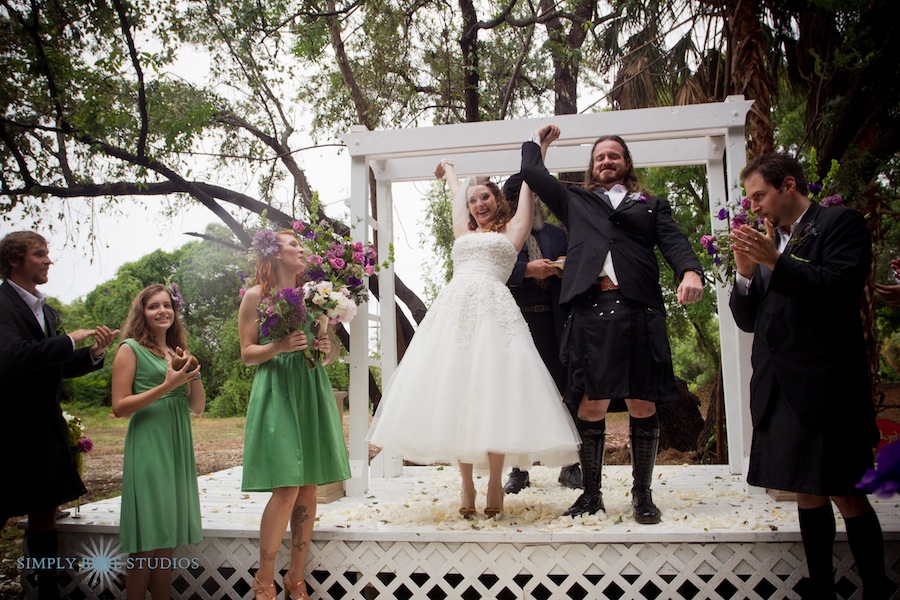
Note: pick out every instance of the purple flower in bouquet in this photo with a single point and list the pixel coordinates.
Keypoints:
(316, 275)
(281, 313)
(315, 260)
(85, 444)
(265, 243)
(745, 203)
(884, 479)
(369, 269)
(358, 247)
(354, 282)
(298, 226)
(723, 214)
(311, 235)
(337, 262)
(834, 200)
(359, 258)
(707, 240)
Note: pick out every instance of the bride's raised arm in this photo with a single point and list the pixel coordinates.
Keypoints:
(446, 170)
(519, 227)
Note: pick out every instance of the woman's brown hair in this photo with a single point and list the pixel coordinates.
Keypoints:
(135, 324)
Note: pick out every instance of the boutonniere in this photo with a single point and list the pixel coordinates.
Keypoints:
(57, 325)
(637, 197)
(799, 237)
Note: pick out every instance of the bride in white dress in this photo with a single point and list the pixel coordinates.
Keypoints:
(471, 387)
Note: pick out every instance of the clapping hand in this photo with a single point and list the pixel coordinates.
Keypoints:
(103, 337)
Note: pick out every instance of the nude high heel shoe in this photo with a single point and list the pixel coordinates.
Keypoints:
(268, 591)
(294, 590)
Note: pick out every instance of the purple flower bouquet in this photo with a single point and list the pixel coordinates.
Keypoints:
(884, 479)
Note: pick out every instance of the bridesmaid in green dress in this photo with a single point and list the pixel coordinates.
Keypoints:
(294, 439)
(160, 501)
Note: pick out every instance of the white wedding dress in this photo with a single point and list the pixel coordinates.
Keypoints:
(472, 381)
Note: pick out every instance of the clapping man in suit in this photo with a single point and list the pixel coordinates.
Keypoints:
(34, 357)
(798, 289)
(615, 341)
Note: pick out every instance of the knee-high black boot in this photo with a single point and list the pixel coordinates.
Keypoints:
(867, 545)
(42, 545)
(593, 447)
(644, 444)
(817, 532)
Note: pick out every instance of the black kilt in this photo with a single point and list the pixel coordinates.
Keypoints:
(617, 349)
(826, 457)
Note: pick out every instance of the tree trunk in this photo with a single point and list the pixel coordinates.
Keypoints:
(680, 422)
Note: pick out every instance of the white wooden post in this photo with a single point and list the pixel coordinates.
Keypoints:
(359, 341)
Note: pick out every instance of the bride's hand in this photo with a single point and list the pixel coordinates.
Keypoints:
(548, 134)
(444, 168)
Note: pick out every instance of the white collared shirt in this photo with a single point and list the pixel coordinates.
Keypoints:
(615, 194)
(34, 302)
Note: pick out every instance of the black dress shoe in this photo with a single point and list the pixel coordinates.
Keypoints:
(645, 512)
(518, 481)
(586, 504)
(571, 477)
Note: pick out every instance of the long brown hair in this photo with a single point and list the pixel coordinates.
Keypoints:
(504, 212)
(135, 324)
(631, 180)
(265, 270)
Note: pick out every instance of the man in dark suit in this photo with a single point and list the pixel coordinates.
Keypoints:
(615, 342)
(535, 284)
(39, 467)
(798, 289)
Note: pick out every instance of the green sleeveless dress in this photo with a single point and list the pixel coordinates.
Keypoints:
(160, 501)
(293, 434)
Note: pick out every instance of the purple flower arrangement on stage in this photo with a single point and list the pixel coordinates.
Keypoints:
(884, 479)
(718, 245)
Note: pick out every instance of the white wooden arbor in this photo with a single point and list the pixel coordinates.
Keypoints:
(702, 134)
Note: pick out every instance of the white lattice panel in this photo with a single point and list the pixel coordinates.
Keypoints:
(391, 569)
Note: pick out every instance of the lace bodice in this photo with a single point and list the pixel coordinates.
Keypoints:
(482, 262)
(484, 255)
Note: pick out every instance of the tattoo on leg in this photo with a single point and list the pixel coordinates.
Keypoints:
(267, 556)
(298, 518)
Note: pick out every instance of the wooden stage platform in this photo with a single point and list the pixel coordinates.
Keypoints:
(404, 539)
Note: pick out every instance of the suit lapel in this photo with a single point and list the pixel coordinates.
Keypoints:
(13, 297)
(804, 231)
(49, 319)
(598, 191)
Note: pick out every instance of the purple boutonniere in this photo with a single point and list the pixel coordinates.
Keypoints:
(799, 237)
(637, 197)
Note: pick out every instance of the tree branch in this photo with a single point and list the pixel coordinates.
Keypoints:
(125, 26)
